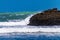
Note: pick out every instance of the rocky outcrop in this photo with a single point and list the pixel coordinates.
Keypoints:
(47, 17)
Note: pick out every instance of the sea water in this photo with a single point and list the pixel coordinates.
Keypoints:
(13, 26)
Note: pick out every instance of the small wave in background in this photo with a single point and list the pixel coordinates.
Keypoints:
(15, 19)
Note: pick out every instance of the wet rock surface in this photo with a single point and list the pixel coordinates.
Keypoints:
(47, 17)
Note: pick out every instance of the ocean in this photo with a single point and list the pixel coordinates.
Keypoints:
(13, 26)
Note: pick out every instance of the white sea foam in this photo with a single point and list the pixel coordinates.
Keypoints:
(30, 31)
(17, 22)
(26, 29)
(21, 22)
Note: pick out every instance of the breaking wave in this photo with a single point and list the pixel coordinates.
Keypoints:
(16, 22)
(14, 19)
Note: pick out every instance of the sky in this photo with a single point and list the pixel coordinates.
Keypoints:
(27, 5)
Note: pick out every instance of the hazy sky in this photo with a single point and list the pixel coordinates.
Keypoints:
(27, 5)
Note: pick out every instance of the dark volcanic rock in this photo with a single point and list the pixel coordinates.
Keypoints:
(47, 17)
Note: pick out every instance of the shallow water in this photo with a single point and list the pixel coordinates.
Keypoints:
(31, 36)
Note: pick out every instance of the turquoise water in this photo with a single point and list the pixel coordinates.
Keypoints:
(14, 16)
